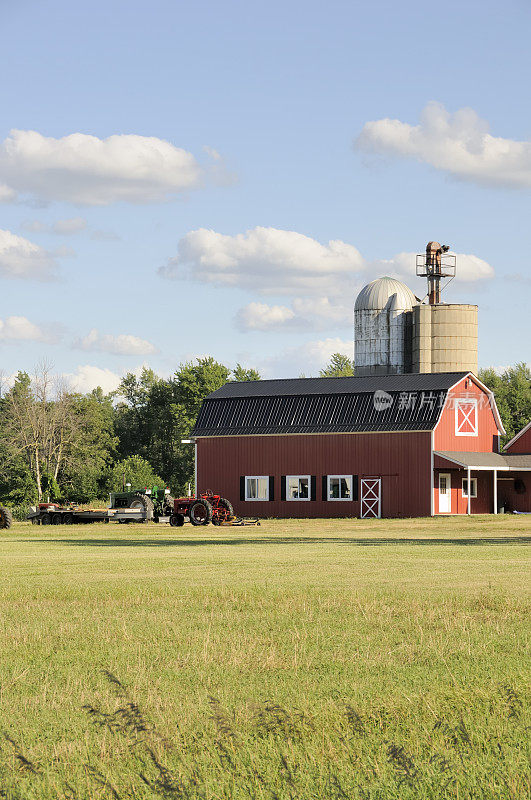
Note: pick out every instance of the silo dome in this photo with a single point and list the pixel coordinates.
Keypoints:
(377, 294)
(382, 328)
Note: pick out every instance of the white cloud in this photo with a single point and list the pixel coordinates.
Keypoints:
(457, 143)
(86, 170)
(20, 329)
(65, 227)
(124, 344)
(7, 195)
(266, 260)
(261, 317)
(88, 377)
(305, 313)
(469, 269)
(35, 226)
(20, 258)
(306, 359)
(322, 281)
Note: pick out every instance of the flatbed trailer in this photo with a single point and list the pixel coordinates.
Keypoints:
(53, 514)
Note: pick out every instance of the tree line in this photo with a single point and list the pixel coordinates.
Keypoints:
(63, 445)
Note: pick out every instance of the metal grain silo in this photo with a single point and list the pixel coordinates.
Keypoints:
(445, 338)
(382, 328)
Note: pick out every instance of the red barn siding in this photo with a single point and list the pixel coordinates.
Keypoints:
(509, 498)
(444, 435)
(482, 504)
(522, 444)
(402, 459)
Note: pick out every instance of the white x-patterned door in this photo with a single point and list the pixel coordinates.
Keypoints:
(371, 497)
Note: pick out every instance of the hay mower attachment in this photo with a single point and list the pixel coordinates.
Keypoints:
(240, 521)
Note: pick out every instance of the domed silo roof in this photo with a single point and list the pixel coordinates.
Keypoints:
(376, 295)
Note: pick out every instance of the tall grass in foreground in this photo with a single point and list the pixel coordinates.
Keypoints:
(269, 751)
(326, 659)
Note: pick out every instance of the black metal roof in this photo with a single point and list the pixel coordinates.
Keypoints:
(413, 382)
(326, 405)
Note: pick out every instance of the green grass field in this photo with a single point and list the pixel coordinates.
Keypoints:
(300, 659)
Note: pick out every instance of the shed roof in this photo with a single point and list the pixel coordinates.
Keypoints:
(502, 461)
(326, 405)
(520, 433)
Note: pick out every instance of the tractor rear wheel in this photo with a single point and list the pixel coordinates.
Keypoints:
(6, 517)
(144, 502)
(200, 512)
(176, 520)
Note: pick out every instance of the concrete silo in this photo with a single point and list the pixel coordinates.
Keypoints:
(394, 332)
(382, 328)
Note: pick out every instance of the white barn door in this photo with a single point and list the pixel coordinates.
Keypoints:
(371, 497)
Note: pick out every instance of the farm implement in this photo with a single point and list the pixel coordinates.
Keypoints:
(142, 505)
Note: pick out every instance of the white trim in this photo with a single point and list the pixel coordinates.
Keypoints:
(521, 433)
(432, 477)
(492, 401)
(468, 495)
(458, 406)
(448, 494)
(299, 499)
(495, 490)
(195, 469)
(474, 486)
(315, 433)
(372, 500)
(340, 499)
(493, 405)
(257, 499)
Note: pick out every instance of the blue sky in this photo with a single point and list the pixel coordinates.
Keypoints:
(123, 252)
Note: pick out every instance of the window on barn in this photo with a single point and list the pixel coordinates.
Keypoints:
(257, 487)
(466, 416)
(340, 487)
(473, 487)
(297, 487)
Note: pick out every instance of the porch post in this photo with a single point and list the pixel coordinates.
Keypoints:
(195, 468)
(468, 490)
(495, 491)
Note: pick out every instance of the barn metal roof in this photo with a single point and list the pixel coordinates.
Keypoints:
(413, 382)
(326, 405)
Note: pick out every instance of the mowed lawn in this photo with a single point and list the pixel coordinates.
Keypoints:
(299, 659)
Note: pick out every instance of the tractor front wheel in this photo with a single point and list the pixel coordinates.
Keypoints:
(200, 512)
(176, 520)
(6, 517)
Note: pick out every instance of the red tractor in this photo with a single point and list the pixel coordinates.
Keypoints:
(207, 507)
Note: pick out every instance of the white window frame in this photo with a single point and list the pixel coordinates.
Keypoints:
(341, 499)
(299, 499)
(474, 486)
(257, 499)
(466, 401)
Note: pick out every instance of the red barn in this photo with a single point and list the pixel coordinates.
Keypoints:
(405, 445)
